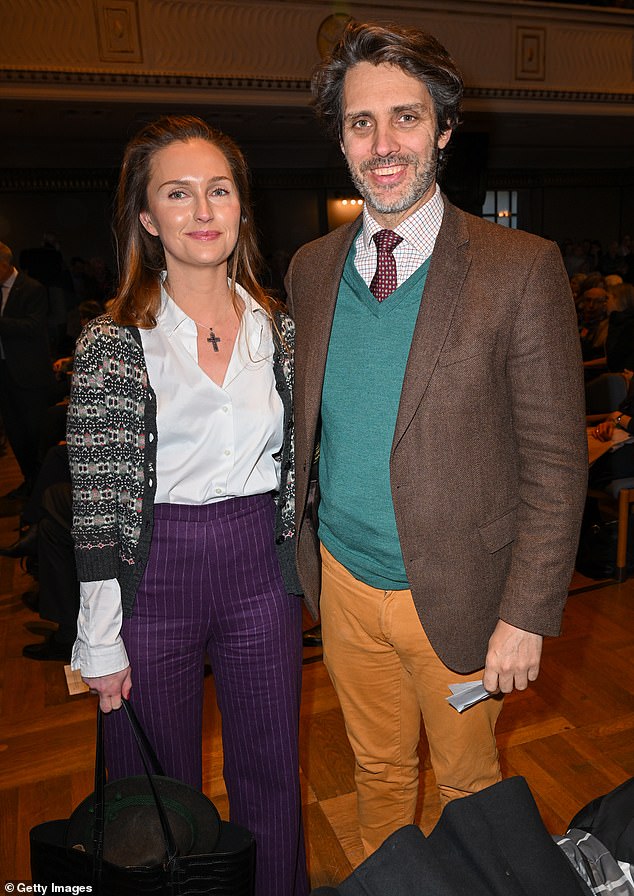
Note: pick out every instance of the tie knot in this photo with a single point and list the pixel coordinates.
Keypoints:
(386, 241)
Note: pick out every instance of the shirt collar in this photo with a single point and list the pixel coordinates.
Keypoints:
(8, 283)
(171, 316)
(419, 229)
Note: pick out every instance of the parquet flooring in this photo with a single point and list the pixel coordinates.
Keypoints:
(571, 734)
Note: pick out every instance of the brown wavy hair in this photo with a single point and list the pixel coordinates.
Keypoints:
(416, 52)
(140, 255)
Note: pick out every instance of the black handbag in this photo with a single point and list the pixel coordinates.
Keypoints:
(147, 834)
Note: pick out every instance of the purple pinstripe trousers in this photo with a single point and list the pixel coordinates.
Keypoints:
(213, 586)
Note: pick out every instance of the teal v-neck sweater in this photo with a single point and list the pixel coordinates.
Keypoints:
(367, 354)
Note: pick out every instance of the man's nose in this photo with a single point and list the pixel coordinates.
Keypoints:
(386, 140)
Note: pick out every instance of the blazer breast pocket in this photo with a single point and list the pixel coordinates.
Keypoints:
(480, 343)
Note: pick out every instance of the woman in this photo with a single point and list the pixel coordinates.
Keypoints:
(180, 445)
(619, 463)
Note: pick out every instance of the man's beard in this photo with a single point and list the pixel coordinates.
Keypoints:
(424, 179)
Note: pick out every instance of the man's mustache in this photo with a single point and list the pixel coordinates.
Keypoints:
(383, 162)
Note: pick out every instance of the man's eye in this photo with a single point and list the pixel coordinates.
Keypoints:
(361, 124)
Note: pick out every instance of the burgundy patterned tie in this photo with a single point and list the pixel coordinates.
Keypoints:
(384, 281)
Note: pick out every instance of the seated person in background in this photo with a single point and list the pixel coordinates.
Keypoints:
(580, 284)
(575, 285)
(26, 375)
(575, 260)
(591, 280)
(593, 329)
(619, 345)
(617, 333)
(613, 262)
(58, 597)
(47, 541)
(611, 280)
(618, 464)
(63, 367)
(78, 317)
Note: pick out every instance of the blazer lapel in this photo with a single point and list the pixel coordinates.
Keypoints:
(311, 356)
(13, 299)
(448, 268)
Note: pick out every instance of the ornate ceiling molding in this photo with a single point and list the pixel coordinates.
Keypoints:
(96, 78)
(160, 82)
(569, 96)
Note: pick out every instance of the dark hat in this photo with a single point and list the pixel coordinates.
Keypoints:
(132, 829)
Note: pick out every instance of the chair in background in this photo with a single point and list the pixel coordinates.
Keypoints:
(620, 492)
(603, 396)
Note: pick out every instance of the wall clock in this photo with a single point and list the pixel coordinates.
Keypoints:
(330, 31)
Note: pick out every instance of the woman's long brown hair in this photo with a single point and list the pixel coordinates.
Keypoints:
(141, 256)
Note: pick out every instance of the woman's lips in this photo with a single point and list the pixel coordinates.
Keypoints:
(204, 235)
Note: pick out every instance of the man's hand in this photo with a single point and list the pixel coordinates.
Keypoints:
(111, 688)
(512, 659)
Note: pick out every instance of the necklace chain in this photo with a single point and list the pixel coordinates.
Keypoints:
(212, 338)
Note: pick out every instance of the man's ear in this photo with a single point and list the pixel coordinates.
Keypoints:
(444, 138)
(146, 219)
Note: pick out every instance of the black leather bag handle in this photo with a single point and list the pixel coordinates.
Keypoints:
(152, 766)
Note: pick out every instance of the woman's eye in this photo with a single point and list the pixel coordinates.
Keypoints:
(220, 191)
(177, 194)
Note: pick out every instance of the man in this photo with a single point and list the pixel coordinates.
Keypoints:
(441, 381)
(26, 371)
(49, 545)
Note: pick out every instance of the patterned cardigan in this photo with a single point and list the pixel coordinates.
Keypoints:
(112, 437)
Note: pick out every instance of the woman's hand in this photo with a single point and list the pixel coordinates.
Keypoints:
(111, 688)
(604, 431)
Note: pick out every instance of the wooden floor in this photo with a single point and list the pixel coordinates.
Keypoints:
(571, 735)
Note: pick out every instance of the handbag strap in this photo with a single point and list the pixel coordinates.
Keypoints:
(145, 747)
(151, 766)
(99, 804)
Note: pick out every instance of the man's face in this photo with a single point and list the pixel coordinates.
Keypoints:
(390, 140)
(5, 270)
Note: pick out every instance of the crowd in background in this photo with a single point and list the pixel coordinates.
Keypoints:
(602, 284)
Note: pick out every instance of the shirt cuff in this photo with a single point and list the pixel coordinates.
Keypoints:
(99, 649)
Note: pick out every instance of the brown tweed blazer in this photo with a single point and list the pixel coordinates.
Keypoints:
(489, 463)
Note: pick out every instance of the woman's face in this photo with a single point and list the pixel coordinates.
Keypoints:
(192, 205)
